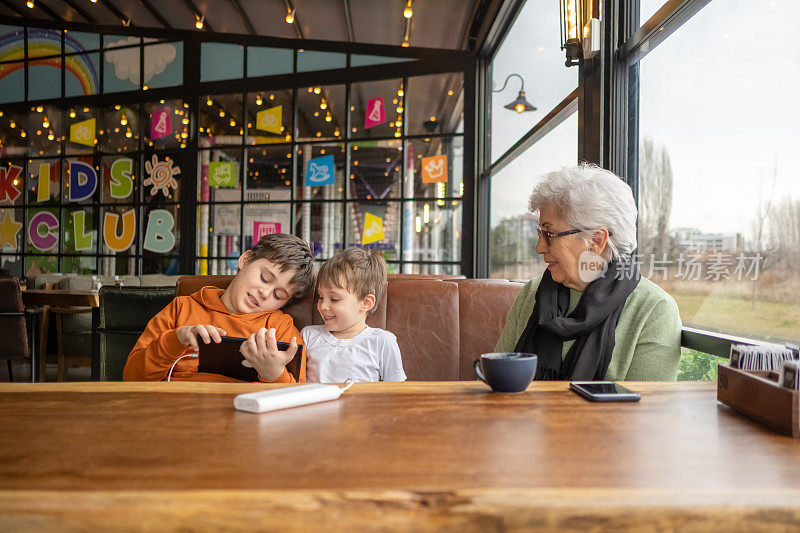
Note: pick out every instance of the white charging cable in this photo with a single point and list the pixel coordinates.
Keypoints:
(169, 376)
(348, 383)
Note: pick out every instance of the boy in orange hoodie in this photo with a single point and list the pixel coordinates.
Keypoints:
(277, 270)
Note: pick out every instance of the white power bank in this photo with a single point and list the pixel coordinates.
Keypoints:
(272, 400)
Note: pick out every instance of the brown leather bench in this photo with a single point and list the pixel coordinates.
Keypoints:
(441, 324)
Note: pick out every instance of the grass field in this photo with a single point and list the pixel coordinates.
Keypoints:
(777, 321)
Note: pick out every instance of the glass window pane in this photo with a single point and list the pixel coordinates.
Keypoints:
(80, 131)
(221, 120)
(43, 230)
(315, 105)
(532, 49)
(12, 82)
(269, 117)
(269, 173)
(13, 135)
(360, 60)
(80, 233)
(432, 230)
(120, 230)
(265, 218)
(44, 183)
(14, 170)
(513, 238)
(119, 130)
(424, 268)
(376, 108)
(648, 8)
(221, 61)
(163, 64)
(42, 43)
(308, 60)
(12, 222)
(320, 225)
(120, 179)
(375, 169)
(316, 178)
(44, 79)
(375, 226)
(40, 264)
(78, 41)
(162, 176)
(117, 41)
(435, 104)
(118, 265)
(84, 181)
(434, 167)
(161, 240)
(220, 175)
(12, 264)
(82, 74)
(46, 130)
(122, 69)
(718, 191)
(13, 43)
(166, 124)
(267, 61)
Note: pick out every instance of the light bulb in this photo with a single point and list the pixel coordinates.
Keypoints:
(123, 121)
(71, 113)
(317, 90)
(408, 12)
(29, 3)
(259, 101)
(199, 23)
(209, 102)
(328, 118)
(405, 44)
(290, 16)
(46, 123)
(519, 108)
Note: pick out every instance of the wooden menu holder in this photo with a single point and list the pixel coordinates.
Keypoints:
(756, 394)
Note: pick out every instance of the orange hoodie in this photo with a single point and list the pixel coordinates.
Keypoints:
(158, 347)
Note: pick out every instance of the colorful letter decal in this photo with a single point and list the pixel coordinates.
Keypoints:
(434, 169)
(270, 120)
(82, 181)
(373, 229)
(265, 228)
(222, 174)
(83, 240)
(9, 229)
(8, 189)
(82, 132)
(161, 122)
(319, 171)
(43, 185)
(121, 181)
(119, 241)
(43, 241)
(161, 175)
(376, 114)
(159, 237)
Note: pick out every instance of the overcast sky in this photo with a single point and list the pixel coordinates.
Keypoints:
(720, 95)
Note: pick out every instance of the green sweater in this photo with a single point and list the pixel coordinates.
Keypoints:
(647, 343)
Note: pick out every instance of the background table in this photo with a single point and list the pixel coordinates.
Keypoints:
(409, 456)
(61, 298)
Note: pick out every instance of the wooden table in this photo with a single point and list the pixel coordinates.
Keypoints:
(61, 298)
(410, 456)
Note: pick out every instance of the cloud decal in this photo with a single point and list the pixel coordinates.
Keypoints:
(126, 60)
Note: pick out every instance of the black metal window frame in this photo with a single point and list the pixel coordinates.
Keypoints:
(422, 62)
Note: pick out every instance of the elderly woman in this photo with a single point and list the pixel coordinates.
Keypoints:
(590, 315)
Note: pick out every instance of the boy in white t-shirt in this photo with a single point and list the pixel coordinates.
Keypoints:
(349, 286)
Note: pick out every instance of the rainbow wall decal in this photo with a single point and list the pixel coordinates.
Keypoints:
(46, 43)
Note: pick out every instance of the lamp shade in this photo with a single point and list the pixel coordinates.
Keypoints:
(521, 104)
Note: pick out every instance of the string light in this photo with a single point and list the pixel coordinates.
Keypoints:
(317, 90)
(208, 101)
(199, 23)
(290, 16)
(408, 12)
(323, 104)
(29, 3)
(45, 123)
(259, 101)
(405, 43)
(123, 120)
(400, 92)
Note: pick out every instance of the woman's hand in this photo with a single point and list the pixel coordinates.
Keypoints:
(261, 350)
(187, 335)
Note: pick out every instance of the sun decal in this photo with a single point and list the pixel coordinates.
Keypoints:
(161, 175)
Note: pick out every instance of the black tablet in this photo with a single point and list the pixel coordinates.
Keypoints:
(225, 358)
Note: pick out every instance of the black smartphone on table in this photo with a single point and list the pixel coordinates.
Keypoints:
(604, 391)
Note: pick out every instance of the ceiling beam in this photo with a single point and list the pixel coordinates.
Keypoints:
(244, 17)
(296, 23)
(158, 16)
(49, 12)
(16, 10)
(348, 20)
(108, 4)
(80, 11)
(193, 8)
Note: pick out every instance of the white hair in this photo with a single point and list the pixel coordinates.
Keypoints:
(588, 198)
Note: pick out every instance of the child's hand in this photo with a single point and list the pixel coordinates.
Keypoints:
(261, 350)
(187, 335)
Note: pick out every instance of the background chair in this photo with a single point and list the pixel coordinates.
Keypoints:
(14, 338)
(124, 313)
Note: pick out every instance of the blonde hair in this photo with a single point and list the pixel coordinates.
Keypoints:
(355, 270)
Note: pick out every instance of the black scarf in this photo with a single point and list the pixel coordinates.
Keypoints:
(592, 324)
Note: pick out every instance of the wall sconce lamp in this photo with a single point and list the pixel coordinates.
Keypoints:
(521, 104)
(580, 29)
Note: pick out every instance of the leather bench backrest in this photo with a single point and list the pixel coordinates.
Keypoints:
(482, 308)
(423, 314)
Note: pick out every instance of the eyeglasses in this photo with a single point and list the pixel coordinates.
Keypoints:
(549, 235)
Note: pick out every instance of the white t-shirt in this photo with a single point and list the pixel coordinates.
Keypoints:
(372, 355)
